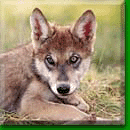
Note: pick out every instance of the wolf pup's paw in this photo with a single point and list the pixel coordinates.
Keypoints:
(83, 107)
(78, 102)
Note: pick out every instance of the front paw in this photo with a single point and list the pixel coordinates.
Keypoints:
(78, 102)
(83, 107)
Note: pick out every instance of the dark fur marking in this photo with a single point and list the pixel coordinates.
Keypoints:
(62, 76)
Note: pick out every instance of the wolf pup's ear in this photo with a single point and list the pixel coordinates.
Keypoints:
(85, 27)
(40, 27)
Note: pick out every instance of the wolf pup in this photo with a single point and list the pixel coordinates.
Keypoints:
(40, 79)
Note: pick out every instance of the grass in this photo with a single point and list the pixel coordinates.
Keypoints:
(104, 92)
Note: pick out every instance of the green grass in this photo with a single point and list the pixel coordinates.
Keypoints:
(104, 92)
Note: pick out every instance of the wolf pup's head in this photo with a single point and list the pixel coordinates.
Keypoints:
(62, 54)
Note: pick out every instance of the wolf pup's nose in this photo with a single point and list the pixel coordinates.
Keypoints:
(63, 88)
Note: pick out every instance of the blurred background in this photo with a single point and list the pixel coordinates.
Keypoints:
(15, 26)
(103, 87)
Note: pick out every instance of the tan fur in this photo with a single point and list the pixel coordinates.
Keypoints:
(40, 103)
(30, 89)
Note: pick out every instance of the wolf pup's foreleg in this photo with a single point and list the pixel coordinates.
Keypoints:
(36, 106)
(78, 102)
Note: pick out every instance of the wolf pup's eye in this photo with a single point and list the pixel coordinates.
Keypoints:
(50, 60)
(73, 59)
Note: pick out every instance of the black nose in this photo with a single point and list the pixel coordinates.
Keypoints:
(63, 88)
